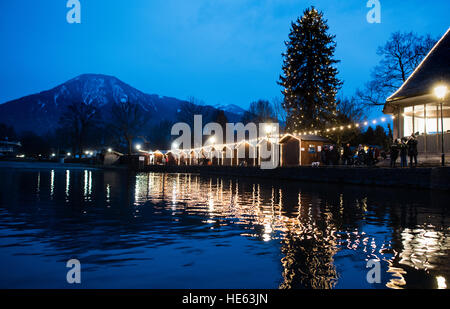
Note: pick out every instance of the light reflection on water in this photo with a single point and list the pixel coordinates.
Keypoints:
(308, 235)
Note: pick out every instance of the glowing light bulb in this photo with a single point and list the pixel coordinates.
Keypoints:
(440, 91)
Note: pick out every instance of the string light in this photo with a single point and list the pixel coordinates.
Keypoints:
(254, 142)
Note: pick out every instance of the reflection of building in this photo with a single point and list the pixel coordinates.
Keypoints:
(8, 148)
(415, 106)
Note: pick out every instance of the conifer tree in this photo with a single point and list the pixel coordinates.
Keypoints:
(309, 76)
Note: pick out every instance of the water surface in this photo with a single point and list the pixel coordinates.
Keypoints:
(152, 230)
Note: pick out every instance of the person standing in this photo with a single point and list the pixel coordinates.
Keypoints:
(370, 156)
(324, 155)
(403, 153)
(376, 154)
(361, 155)
(412, 150)
(347, 155)
(331, 156)
(394, 153)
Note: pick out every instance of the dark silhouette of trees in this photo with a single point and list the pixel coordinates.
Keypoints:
(7, 132)
(221, 119)
(401, 54)
(34, 145)
(259, 112)
(279, 111)
(160, 135)
(348, 112)
(189, 109)
(78, 119)
(128, 118)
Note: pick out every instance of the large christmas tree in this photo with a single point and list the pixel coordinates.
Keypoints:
(309, 74)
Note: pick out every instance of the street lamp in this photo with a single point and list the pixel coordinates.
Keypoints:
(138, 146)
(269, 128)
(440, 92)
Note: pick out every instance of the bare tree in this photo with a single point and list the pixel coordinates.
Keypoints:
(399, 57)
(161, 135)
(188, 109)
(349, 110)
(259, 111)
(77, 120)
(279, 111)
(128, 120)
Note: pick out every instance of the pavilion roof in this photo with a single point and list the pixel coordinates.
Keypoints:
(433, 69)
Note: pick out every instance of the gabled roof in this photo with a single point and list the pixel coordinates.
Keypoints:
(434, 68)
(306, 138)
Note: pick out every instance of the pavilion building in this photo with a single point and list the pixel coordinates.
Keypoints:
(416, 107)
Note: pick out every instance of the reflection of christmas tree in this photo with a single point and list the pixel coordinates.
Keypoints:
(308, 262)
(309, 246)
(309, 74)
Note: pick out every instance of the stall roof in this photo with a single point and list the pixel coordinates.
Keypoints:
(310, 138)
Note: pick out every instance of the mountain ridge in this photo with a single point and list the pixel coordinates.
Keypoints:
(40, 112)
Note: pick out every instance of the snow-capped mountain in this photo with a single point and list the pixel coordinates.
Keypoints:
(231, 108)
(40, 113)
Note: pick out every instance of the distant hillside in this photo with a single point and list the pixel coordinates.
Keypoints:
(40, 112)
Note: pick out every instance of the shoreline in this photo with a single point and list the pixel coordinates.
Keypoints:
(429, 178)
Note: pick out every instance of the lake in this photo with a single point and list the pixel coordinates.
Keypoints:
(150, 230)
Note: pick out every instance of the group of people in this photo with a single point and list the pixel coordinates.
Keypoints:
(333, 155)
(404, 147)
(361, 156)
(369, 155)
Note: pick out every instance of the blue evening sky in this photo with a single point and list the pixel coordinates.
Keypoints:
(221, 51)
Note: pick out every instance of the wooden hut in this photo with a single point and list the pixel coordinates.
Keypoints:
(203, 157)
(183, 158)
(214, 155)
(111, 157)
(267, 145)
(171, 158)
(226, 156)
(156, 157)
(246, 154)
(300, 149)
(193, 157)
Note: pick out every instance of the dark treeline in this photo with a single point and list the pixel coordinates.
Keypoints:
(83, 127)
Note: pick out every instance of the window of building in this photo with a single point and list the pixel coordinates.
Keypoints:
(408, 124)
(433, 118)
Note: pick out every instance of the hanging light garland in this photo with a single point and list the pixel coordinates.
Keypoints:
(276, 137)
